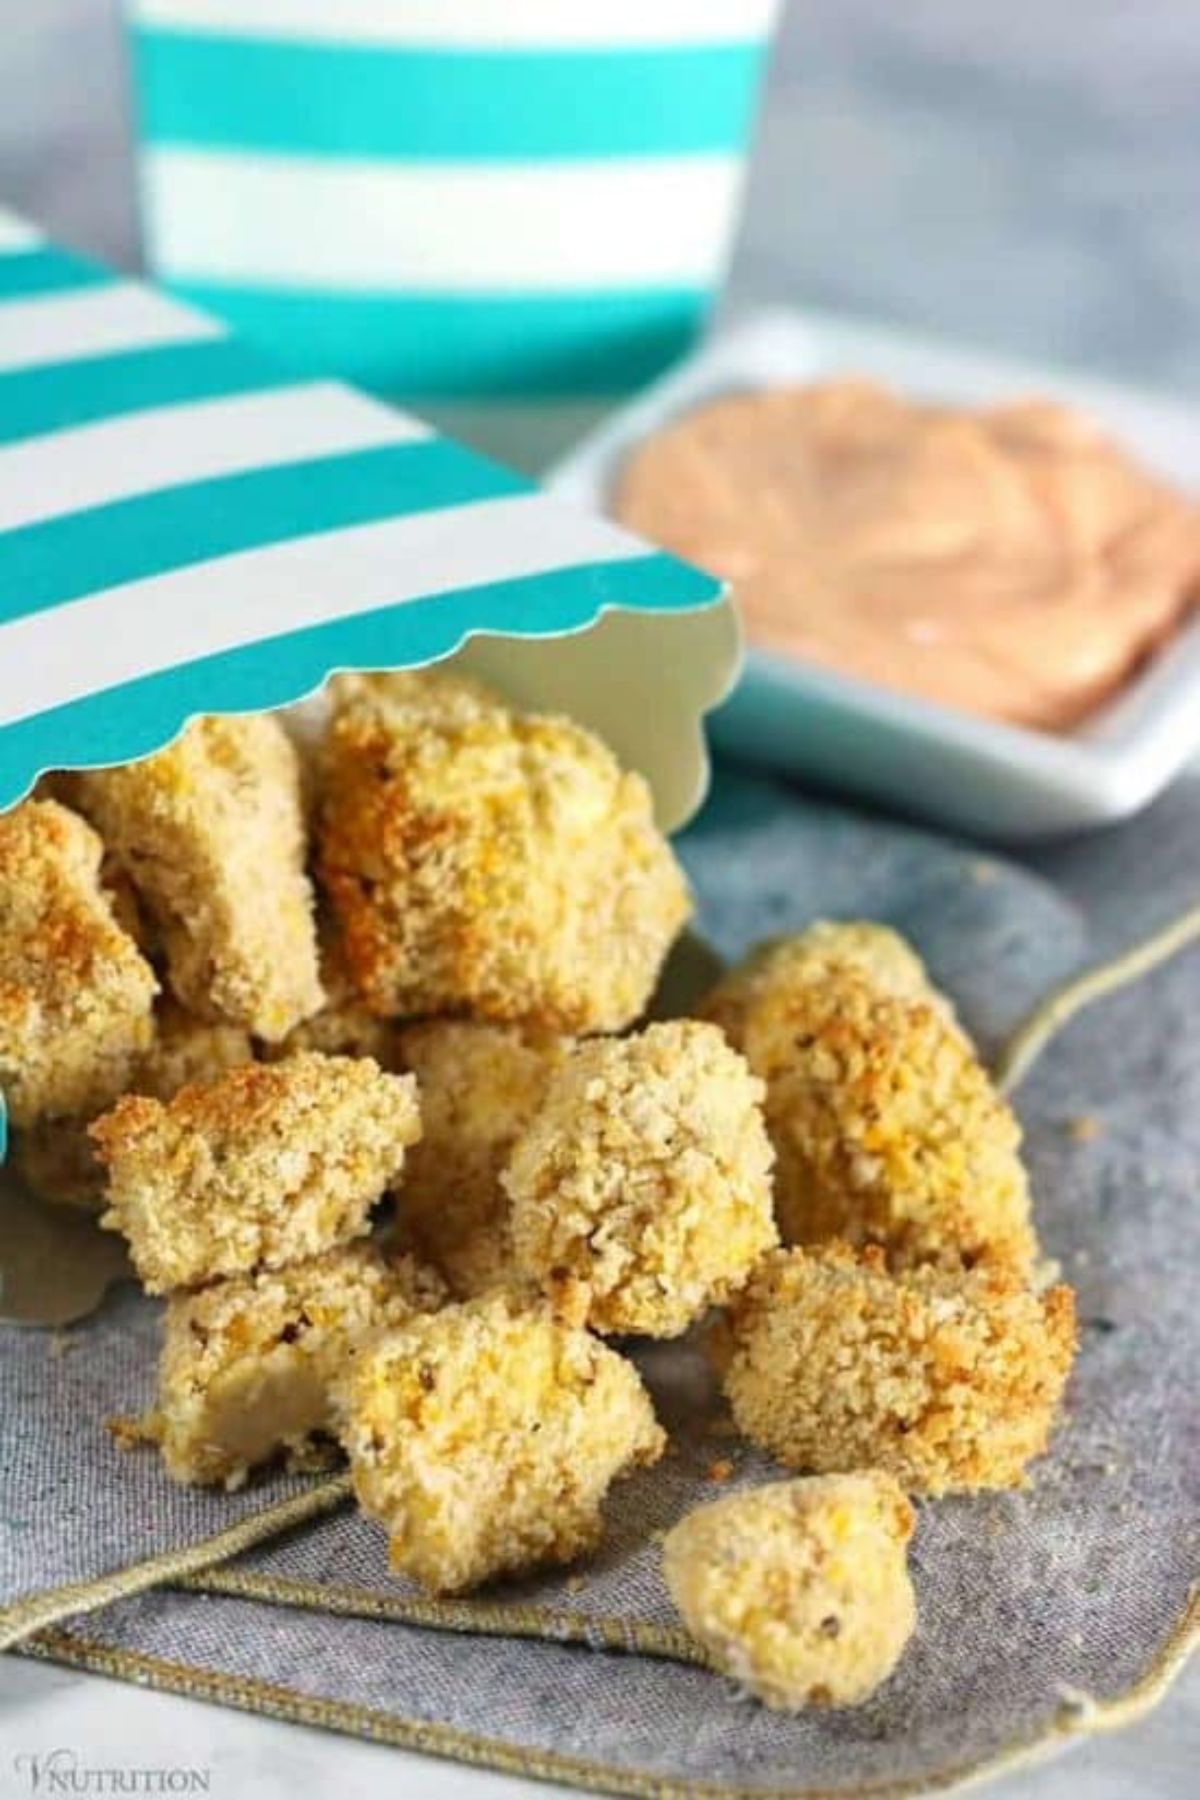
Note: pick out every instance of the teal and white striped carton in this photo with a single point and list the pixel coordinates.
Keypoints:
(186, 528)
(505, 199)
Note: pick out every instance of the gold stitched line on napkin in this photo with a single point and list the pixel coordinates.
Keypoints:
(1057, 1010)
(33, 1612)
(638, 1637)
(1074, 1719)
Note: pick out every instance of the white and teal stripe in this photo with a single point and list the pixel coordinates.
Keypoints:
(185, 528)
(476, 24)
(490, 197)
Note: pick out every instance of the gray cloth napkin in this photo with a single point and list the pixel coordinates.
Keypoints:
(1026, 1600)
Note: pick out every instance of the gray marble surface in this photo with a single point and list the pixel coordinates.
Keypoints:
(1016, 173)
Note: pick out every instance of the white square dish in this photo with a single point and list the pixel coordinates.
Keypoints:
(975, 774)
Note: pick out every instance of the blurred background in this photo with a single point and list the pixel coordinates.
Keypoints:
(1015, 173)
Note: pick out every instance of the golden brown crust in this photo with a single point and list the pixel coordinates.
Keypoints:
(56, 1157)
(247, 1363)
(268, 1165)
(949, 1381)
(750, 1002)
(479, 1086)
(887, 1128)
(75, 993)
(486, 1436)
(641, 1190)
(799, 1590)
(485, 861)
(211, 833)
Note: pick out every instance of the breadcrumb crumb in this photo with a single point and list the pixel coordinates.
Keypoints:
(479, 1087)
(247, 1363)
(641, 1190)
(268, 1165)
(888, 1130)
(485, 1437)
(800, 1590)
(75, 992)
(211, 833)
(486, 861)
(949, 1381)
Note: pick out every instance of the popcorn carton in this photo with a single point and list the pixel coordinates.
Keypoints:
(188, 530)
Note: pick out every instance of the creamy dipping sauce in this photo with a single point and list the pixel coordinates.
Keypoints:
(1013, 561)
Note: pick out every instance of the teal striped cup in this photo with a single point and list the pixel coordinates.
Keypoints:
(450, 200)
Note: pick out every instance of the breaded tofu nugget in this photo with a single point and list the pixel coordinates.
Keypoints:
(75, 991)
(887, 1128)
(270, 1164)
(800, 1590)
(950, 1381)
(247, 1364)
(56, 1157)
(211, 833)
(641, 1191)
(479, 1086)
(485, 1437)
(487, 861)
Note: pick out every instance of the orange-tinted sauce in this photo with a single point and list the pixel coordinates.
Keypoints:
(1013, 561)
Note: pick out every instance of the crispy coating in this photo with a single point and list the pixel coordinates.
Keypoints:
(751, 1002)
(479, 1087)
(75, 992)
(486, 1436)
(641, 1191)
(247, 1364)
(486, 861)
(345, 1025)
(268, 1165)
(800, 1590)
(950, 1381)
(56, 1157)
(211, 833)
(887, 1128)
